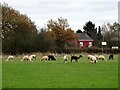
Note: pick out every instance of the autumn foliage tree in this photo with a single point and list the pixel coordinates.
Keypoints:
(61, 32)
(18, 31)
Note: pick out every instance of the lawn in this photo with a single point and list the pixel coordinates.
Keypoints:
(56, 74)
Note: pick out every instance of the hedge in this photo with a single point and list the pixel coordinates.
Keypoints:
(91, 50)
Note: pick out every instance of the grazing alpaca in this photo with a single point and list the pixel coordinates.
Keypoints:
(10, 58)
(101, 57)
(51, 57)
(93, 59)
(89, 56)
(26, 58)
(65, 58)
(75, 58)
(44, 58)
(32, 57)
(111, 56)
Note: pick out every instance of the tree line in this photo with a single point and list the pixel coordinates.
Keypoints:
(20, 35)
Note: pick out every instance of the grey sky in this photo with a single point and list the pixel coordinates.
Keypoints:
(78, 12)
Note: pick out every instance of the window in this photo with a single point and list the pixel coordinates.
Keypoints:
(90, 44)
(81, 44)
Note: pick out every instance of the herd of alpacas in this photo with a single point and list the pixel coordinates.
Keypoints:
(92, 58)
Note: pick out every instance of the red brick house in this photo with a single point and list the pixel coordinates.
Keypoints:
(84, 40)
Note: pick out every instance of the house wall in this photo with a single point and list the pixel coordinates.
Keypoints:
(85, 44)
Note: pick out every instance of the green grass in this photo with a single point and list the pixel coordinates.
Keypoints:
(56, 74)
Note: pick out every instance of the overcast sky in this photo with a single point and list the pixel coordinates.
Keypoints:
(78, 12)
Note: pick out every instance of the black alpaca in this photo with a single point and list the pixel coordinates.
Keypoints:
(51, 57)
(75, 58)
(111, 56)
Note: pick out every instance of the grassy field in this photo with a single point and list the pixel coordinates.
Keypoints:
(56, 74)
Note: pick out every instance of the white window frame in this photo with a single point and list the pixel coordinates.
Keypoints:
(81, 44)
(90, 44)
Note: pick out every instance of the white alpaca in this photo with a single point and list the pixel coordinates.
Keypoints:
(44, 58)
(101, 57)
(93, 59)
(32, 56)
(10, 57)
(65, 58)
(89, 57)
(26, 58)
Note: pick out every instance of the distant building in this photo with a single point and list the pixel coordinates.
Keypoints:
(84, 40)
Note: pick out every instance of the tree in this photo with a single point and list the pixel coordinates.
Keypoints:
(61, 32)
(99, 36)
(18, 31)
(115, 28)
(79, 31)
(115, 31)
(90, 29)
(44, 42)
(112, 34)
(105, 29)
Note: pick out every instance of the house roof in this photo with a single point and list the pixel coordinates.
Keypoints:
(84, 37)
